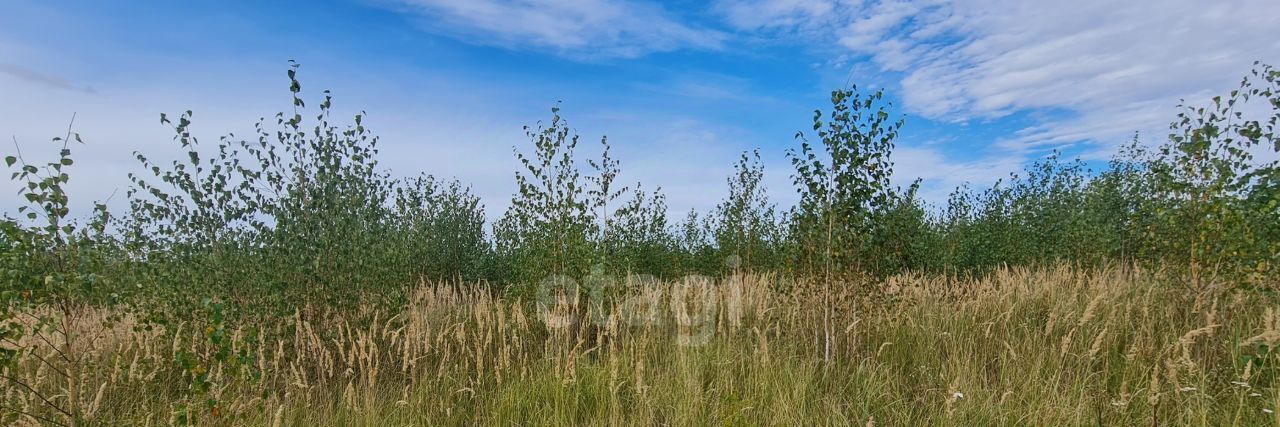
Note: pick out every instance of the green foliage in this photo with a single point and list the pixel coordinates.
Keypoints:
(47, 256)
(746, 228)
(901, 237)
(564, 222)
(52, 269)
(1221, 205)
(843, 182)
(551, 223)
(1199, 201)
(694, 245)
(1040, 217)
(638, 239)
(220, 348)
(441, 227)
(301, 213)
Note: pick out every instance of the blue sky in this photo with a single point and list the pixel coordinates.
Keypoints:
(679, 87)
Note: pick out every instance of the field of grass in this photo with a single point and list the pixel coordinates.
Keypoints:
(1023, 346)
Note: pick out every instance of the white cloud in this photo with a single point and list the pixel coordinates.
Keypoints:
(1117, 67)
(781, 14)
(578, 28)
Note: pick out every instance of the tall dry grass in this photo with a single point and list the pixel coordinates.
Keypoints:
(1056, 346)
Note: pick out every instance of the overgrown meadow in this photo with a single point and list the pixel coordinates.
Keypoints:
(288, 279)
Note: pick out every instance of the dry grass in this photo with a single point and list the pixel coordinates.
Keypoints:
(1060, 346)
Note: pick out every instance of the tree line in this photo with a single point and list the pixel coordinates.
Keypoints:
(302, 211)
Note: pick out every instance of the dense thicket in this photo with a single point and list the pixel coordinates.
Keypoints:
(304, 212)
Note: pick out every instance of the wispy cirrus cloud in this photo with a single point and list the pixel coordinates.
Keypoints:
(37, 77)
(1111, 67)
(785, 14)
(579, 28)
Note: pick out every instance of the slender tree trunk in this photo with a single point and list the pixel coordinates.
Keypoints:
(828, 332)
